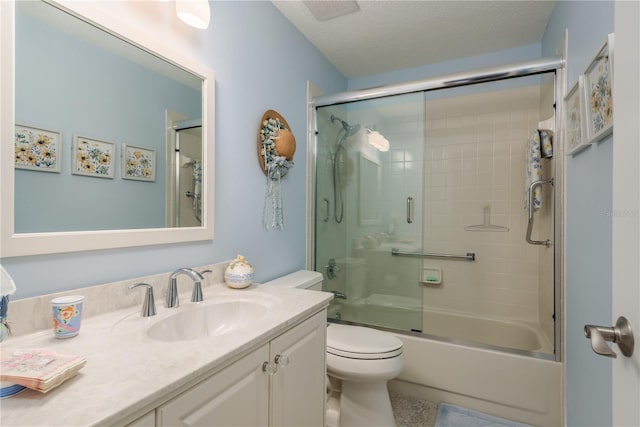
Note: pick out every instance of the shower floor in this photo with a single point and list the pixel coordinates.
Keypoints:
(412, 412)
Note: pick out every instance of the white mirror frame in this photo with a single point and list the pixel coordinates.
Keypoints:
(20, 244)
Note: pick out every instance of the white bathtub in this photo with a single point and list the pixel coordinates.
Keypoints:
(402, 313)
(513, 385)
(508, 334)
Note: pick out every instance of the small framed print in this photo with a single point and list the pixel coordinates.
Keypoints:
(574, 134)
(37, 149)
(598, 90)
(138, 163)
(92, 157)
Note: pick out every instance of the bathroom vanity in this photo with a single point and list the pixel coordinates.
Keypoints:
(264, 366)
(279, 383)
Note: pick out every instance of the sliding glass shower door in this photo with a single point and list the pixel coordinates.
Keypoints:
(369, 209)
(421, 221)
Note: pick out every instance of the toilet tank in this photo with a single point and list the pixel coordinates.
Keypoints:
(303, 279)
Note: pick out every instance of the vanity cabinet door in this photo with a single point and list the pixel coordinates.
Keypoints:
(236, 396)
(147, 420)
(298, 386)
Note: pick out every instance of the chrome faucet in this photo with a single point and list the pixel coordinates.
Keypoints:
(148, 304)
(172, 292)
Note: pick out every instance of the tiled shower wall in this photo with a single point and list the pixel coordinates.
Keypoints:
(475, 159)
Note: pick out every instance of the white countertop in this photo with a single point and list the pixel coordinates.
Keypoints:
(127, 372)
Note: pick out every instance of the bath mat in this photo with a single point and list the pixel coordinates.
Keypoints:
(455, 416)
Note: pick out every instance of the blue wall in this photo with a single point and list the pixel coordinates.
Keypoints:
(261, 62)
(588, 227)
(74, 87)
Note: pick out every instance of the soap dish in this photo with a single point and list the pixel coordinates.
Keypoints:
(431, 276)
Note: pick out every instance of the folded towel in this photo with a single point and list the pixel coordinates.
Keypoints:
(533, 155)
(39, 369)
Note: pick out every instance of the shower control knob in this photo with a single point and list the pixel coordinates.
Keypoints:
(332, 269)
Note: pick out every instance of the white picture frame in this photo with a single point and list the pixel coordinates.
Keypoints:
(598, 94)
(93, 157)
(37, 149)
(138, 163)
(574, 110)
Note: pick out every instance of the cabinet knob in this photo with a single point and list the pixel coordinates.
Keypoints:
(281, 360)
(269, 368)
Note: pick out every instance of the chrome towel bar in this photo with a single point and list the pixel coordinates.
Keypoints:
(532, 187)
(470, 256)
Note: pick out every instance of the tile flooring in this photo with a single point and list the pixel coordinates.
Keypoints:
(412, 412)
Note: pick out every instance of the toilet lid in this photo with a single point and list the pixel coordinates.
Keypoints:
(358, 342)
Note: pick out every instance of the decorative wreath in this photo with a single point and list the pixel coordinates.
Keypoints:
(276, 145)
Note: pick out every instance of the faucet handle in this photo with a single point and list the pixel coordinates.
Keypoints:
(148, 304)
(196, 294)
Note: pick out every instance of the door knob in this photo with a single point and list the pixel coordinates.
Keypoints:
(620, 334)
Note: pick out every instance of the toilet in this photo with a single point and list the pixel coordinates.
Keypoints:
(360, 361)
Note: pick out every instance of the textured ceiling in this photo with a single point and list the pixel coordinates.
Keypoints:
(389, 35)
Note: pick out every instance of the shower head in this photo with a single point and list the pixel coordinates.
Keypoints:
(348, 129)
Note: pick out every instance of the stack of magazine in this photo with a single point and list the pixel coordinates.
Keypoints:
(39, 369)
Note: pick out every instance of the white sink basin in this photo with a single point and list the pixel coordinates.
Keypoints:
(207, 321)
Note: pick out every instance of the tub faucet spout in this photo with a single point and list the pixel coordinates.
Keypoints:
(172, 292)
(338, 295)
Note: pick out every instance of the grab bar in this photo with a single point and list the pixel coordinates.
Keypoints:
(409, 210)
(532, 187)
(470, 256)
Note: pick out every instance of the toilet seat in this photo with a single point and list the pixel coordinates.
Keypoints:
(356, 342)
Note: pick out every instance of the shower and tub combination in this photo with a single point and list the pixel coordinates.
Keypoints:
(438, 219)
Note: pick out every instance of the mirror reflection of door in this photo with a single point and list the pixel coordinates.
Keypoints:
(183, 171)
(189, 177)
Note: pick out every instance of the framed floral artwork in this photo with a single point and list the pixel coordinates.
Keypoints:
(37, 149)
(92, 157)
(598, 89)
(138, 163)
(574, 134)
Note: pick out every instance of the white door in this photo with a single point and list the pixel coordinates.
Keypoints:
(626, 207)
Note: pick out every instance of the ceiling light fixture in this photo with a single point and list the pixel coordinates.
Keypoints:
(378, 141)
(194, 12)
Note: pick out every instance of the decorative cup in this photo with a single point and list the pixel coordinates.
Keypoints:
(67, 314)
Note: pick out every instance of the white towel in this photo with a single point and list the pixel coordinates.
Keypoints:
(534, 170)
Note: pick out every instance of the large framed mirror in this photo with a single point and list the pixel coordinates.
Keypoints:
(106, 135)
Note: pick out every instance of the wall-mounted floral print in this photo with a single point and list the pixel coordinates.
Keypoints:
(138, 163)
(37, 149)
(574, 134)
(598, 82)
(92, 157)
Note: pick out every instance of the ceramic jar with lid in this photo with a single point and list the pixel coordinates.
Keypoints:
(239, 273)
